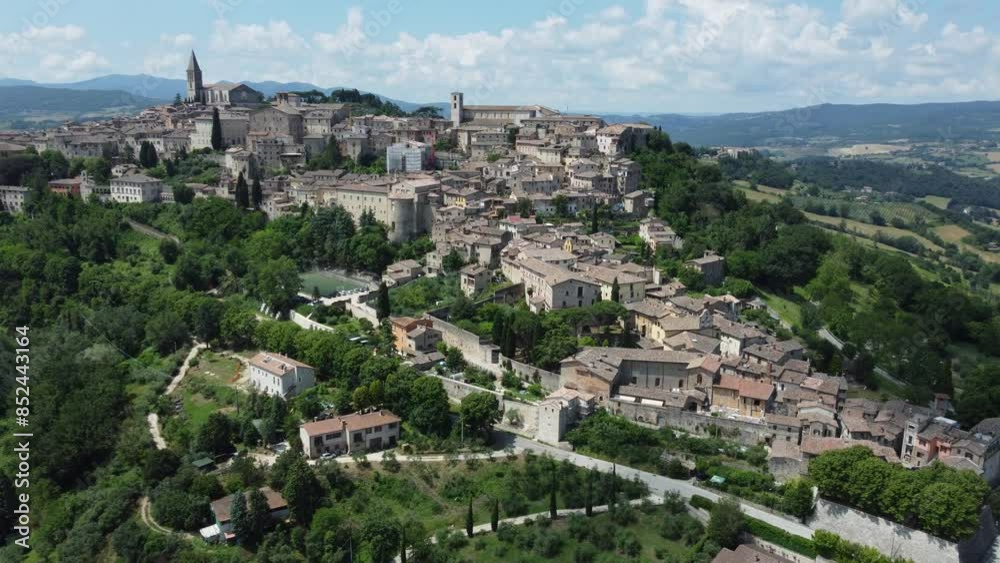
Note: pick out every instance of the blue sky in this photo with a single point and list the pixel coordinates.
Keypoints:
(642, 56)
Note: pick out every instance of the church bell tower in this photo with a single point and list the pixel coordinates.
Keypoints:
(195, 87)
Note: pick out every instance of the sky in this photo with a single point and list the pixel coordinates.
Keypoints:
(651, 56)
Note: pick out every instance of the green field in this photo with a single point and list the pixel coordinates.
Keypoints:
(329, 283)
(207, 387)
(937, 201)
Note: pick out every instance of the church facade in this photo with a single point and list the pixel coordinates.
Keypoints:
(220, 93)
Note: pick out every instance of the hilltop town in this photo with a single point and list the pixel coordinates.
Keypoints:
(526, 266)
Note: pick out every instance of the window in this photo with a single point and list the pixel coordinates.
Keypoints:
(357, 437)
(634, 380)
(656, 382)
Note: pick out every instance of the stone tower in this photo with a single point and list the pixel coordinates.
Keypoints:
(457, 105)
(195, 87)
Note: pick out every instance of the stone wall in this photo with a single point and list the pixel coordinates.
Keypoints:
(458, 390)
(362, 311)
(307, 323)
(548, 380)
(899, 541)
(746, 432)
(483, 355)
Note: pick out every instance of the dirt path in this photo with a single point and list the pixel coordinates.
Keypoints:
(146, 515)
(152, 418)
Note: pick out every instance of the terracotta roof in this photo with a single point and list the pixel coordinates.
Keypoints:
(748, 554)
(222, 506)
(276, 363)
(813, 445)
(350, 422)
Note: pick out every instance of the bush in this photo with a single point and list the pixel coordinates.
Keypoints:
(832, 546)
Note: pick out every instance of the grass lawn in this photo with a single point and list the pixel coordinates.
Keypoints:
(424, 294)
(787, 309)
(208, 388)
(487, 548)
(329, 283)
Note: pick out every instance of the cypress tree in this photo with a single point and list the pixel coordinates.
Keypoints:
(256, 194)
(402, 545)
(382, 305)
(216, 130)
(589, 498)
(552, 502)
(469, 520)
(240, 517)
(259, 516)
(616, 291)
(495, 515)
(242, 193)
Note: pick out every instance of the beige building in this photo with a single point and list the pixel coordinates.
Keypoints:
(136, 188)
(358, 432)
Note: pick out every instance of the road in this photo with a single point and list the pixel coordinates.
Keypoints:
(658, 484)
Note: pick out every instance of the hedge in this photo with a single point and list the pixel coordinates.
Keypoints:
(777, 536)
(765, 531)
(699, 501)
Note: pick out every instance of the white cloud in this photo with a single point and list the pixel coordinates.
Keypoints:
(275, 36)
(73, 66)
(882, 14)
(179, 40)
(38, 37)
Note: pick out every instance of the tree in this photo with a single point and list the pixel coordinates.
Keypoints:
(239, 516)
(183, 194)
(495, 515)
(256, 194)
(277, 283)
(553, 513)
(595, 219)
(329, 159)
(428, 406)
(469, 521)
(242, 192)
(479, 412)
(215, 435)
(259, 517)
(726, 525)
(169, 250)
(177, 99)
(615, 291)
(383, 307)
(798, 498)
(453, 261)
(216, 130)
(160, 464)
(302, 490)
(147, 155)
(167, 332)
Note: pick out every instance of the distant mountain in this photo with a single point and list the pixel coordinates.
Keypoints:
(834, 123)
(27, 106)
(164, 89)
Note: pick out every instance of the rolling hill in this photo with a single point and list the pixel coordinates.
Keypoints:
(870, 123)
(27, 105)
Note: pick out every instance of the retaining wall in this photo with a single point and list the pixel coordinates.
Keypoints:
(897, 540)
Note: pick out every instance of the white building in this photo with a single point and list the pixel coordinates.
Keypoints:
(12, 198)
(279, 375)
(410, 156)
(136, 188)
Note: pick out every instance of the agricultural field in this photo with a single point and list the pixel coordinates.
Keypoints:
(867, 149)
(870, 231)
(557, 541)
(955, 234)
(437, 494)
